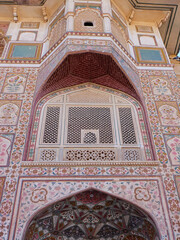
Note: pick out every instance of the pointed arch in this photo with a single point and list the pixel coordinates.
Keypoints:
(119, 141)
(92, 214)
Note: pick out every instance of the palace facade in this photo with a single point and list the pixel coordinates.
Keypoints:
(89, 120)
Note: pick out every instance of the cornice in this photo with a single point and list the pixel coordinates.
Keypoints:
(172, 8)
(70, 35)
(90, 164)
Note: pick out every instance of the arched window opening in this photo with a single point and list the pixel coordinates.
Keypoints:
(89, 125)
(92, 215)
(88, 24)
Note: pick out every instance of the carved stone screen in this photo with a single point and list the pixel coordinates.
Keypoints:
(127, 126)
(51, 125)
(89, 125)
(98, 118)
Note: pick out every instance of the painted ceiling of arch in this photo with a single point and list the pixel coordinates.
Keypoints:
(24, 2)
(92, 215)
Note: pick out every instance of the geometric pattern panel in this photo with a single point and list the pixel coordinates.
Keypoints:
(98, 118)
(127, 126)
(51, 125)
(99, 155)
(131, 155)
(90, 137)
(48, 155)
(92, 215)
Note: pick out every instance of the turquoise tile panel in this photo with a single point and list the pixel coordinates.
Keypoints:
(150, 55)
(24, 51)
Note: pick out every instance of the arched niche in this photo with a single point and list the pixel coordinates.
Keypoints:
(66, 121)
(87, 67)
(88, 15)
(92, 214)
(91, 67)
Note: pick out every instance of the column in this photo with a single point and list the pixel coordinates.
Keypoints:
(69, 14)
(107, 13)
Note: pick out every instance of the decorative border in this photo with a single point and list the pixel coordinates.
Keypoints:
(30, 164)
(37, 55)
(138, 55)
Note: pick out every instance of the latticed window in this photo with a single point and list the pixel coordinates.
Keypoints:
(90, 125)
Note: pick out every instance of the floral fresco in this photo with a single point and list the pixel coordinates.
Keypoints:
(15, 83)
(160, 87)
(9, 112)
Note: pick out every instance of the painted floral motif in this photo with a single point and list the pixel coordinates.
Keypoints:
(169, 115)
(9, 114)
(142, 194)
(174, 205)
(10, 186)
(4, 146)
(15, 83)
(5, 208)
(174, 146)
(160, 87)
(39, 195)
(169, 183)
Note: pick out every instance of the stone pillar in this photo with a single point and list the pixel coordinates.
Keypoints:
(107, 13)
(69, 14)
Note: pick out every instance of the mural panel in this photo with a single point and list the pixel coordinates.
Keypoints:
(14, 83)
(169, 113)
(160, 87)
(9, 112)
(173, 147)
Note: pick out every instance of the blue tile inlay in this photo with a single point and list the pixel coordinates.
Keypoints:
(24, 51)
(150, 55)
